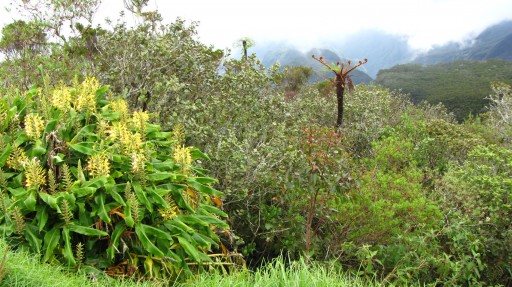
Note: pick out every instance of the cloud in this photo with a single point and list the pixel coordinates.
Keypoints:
(308, 23)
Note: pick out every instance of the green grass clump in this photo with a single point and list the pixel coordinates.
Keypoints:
(22, 269)
(278, 273)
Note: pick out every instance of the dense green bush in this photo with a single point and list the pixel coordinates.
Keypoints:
(479, 193)
(500, 111)
(176, 66)
(86, 183)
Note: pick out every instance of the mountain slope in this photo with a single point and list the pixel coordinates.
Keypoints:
(383, 50)
(461, 86)
(495, 42)
(293, 57)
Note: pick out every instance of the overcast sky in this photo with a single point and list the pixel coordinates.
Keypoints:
(307, 23)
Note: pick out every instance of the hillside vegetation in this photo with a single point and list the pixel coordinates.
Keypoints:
(462, 86)
(141, 153)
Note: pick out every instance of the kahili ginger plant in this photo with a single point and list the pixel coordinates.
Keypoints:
(92, 185)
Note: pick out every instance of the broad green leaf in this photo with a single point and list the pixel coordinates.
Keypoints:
(157, 198)
(176, 222)
(84, 230)
(163, 166)
(51, 125)
(178, 195)
(50, 200)
(141, 196)
(100, 92)
(205, 180)
(51, 240)
(189, 249)
(30, 201)
(111, 116)
(82, 132)
(114, 239)
(156, 232)
(84, 147)
(214, 210)
(38, 149)
(210, 219)
(161, 192)
(19, 192)
(159, 135)
(147, 243)
(119, 158)
(197, 154)
(203, 188)
(159, 176)
(129, 220)
(172, 186)
(192, 220)
(42, 216)
(57, 159)
(204, 240)
(32, 238)
(116, 196)
(83, 191)
(22, 138)
(5, 154)
(68, 250)
(96, 182)
(102, 210)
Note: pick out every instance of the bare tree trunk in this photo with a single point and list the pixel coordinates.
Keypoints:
(244, 43)
(340, 91)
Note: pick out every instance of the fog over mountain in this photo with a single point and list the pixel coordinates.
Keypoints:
(385, 50)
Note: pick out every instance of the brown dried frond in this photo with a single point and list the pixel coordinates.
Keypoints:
(321, 60)
(350, 85)
(354, 67)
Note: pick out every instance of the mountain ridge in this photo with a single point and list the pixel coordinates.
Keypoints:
(385, 50)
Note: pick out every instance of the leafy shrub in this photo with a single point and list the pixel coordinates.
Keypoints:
(176, 66)
(479, 192)
(450, 256)
(369, 109)
(500, 110)
(311, 186)
(390, 200)
(86, 183)
(456, 139)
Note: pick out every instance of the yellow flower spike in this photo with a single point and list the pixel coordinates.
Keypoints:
(86, 95)
(138, 161)
(61, 98)
(183, 157)
(120, 106)
(98, 164)
(17, 158)
(34, 126)
(170, 212)
(178, 134)
(140, 119)
(35, 176)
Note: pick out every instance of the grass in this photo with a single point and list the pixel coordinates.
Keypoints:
(277, 273)
(23, 269)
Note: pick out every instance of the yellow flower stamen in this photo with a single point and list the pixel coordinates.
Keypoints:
(35, 176)
(34, 126)
(98, 165)
(183, 157)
